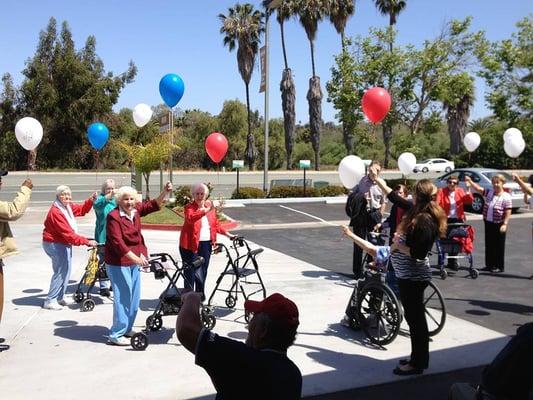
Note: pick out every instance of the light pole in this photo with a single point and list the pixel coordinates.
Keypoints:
(270, 6)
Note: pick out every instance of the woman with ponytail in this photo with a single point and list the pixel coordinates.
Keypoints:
(423, 222)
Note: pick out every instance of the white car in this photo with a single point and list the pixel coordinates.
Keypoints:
(434, 165)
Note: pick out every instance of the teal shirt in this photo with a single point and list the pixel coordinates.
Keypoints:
(102, 207)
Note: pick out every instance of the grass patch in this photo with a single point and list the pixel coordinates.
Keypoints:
(163, 216)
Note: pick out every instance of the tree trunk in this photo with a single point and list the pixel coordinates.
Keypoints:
(147, 182)
(457, 119)
(250, 146)
(347, 138)
(288, 99)
(387, 135)
(312, 45)
(32, 160)
(282, 29)
(314, 97)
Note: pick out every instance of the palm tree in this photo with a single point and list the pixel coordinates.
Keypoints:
(286, 86)
(392, 8)
(457, 103)
(339, 13)
(242, 27)
(311, 13)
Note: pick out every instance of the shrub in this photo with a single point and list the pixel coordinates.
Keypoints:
(183, 195)
(292, 191)
(248, 193)
(332, 190)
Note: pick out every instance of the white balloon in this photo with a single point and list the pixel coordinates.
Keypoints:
(511, 133)
(471, 141)
(351, 170)
(515, 146)
(29, 132)
(142, 113)
(406, 163)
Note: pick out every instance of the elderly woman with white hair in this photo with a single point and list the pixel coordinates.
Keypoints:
(59, 235)
(125, 252)
(198, 235)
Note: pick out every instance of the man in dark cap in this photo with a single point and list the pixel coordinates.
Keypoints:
(259, 369)
(10, 211)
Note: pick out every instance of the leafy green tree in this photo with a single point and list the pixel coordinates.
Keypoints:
(242, 28)
(310, 13)
(150, 157)
(507, 68)
(66, 90)
(13, 156)
(233, 122)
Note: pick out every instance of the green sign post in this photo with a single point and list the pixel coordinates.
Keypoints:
(305, 165)
(237, 164)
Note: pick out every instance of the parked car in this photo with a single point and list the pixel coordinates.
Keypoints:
(434, 165)
(483, 176)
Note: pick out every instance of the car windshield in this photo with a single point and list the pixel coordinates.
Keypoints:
(425, 161)
(490, 174)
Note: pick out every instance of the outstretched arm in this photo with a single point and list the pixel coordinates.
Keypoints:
(474, 185)
(362, 243)
(526, 189)
(383, 186)
(188, 323)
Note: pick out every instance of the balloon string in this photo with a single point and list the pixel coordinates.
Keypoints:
(28, 164)
(96, 170)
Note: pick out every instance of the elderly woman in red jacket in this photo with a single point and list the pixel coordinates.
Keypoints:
(125, 253)
(198, 235)
(453, 200)
(59, 235)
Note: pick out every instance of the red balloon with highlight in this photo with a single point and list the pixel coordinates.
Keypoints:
(216, 146)
(376, 104)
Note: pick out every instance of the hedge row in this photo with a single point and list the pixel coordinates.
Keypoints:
(288, 191)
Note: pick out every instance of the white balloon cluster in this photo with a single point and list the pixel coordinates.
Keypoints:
(351, 170)
(471, 141)
(406, 162)
(513, 142)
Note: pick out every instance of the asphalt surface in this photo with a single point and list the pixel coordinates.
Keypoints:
(501, 302)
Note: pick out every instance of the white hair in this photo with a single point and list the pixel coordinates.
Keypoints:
(198, 186)
(62, 188)
(125, 191)
(107, 182)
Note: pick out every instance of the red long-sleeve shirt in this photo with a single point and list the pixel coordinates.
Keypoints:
(57, 228)
(461, 198)
(123, 235)
(192, 224)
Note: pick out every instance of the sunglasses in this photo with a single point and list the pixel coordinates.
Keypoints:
(452, 182)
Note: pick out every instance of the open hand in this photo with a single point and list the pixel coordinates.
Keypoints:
(28, 183)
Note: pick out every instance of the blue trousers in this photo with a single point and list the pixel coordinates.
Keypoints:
(126, 283)
(61, 256)
(196, 279)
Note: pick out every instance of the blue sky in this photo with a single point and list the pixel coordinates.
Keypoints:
(183, 37)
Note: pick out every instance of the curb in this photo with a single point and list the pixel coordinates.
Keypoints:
(232, 224)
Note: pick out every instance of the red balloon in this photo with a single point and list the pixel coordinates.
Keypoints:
(216, 146)
(376, 104)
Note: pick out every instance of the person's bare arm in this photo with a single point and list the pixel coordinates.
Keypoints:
(188, 323)
(506, 217)
(362, 243)
(383, 186)
(474, 185)
(526, 189)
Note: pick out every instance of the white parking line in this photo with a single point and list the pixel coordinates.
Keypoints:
(309, 215)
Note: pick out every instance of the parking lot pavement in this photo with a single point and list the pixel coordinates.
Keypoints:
(66, 349)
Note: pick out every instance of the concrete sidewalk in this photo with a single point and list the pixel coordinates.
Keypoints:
(62, 354)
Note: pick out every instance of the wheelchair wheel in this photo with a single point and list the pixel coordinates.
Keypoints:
(379, 313)
(209, 321)
(87, 305)
(435, 309)
(78, 296)
(443, 274)
(474, 273)
(230, 301)
(154, 322)
(139, 341)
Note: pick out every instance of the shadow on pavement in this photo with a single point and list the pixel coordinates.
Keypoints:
(497, 306)
(84, 333)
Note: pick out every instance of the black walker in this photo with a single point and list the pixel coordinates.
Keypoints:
(240, 267)
(170, 299)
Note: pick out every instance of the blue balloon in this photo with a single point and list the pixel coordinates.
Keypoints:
(97, 134)
(171, 88)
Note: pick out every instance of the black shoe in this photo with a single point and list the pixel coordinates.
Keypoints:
(404, 361)
(2, 340)
(4, 347)
(105, 292)
(453, 267)
(412, 371)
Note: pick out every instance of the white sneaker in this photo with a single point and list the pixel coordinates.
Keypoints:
(120, 341)
(52, 305)
(64, 302)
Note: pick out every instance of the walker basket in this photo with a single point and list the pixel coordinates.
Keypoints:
(450, 246)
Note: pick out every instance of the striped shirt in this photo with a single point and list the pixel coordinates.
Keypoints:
(406, 267)
(495, 205)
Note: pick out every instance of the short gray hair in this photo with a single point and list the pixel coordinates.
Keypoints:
(125, 191)
(107, 183)
(62, 188)
(199, 185)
